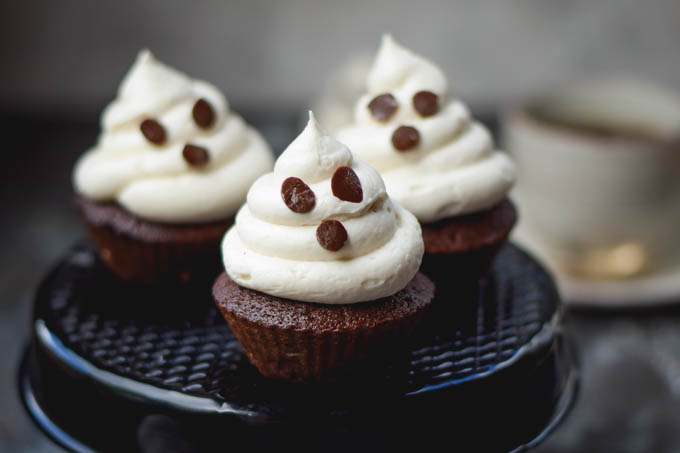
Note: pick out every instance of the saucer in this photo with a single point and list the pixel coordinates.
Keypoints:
(658, 288)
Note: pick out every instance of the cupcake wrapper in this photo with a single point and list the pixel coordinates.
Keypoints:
(147, 252)
(449, 270)
(460, 250)
(135, 260)
(306, 356)
(457, 278)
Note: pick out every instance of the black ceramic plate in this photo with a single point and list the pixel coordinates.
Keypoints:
(163, 366)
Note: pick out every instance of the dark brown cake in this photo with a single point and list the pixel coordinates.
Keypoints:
(150, 252)
(459, 250)
(300, 341)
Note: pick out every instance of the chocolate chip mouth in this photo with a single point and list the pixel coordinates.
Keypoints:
(195, 156)
(405, 138)
(331, 235)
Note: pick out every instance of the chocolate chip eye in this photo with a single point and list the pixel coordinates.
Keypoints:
(195, 156)
(346, 185)
(382, 107)
(426, 103)
(153, 131)
(203, 114)
(297, 195)
(405, 138)
(331, 235)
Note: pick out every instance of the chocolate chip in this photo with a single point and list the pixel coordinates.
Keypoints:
(426, 103)
(382, 107)
(153, 131)
(405, 138)
(331, 235)
(297, 195)
(203, 114)
(196, 156)
(346, 185)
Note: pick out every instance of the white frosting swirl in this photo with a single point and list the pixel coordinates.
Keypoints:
(275, 250)
(154, 182)
(454, 169)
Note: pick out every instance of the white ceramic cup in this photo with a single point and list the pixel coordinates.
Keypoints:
(598, 185)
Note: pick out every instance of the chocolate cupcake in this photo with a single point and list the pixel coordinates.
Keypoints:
(171, 167)
(321, 266)
(437, 162)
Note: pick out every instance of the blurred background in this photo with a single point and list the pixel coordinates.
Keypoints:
(62, 63)
(68, 57)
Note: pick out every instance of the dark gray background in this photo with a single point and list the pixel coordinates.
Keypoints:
(277, 54)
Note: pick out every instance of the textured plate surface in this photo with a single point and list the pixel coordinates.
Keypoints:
(149, 341)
